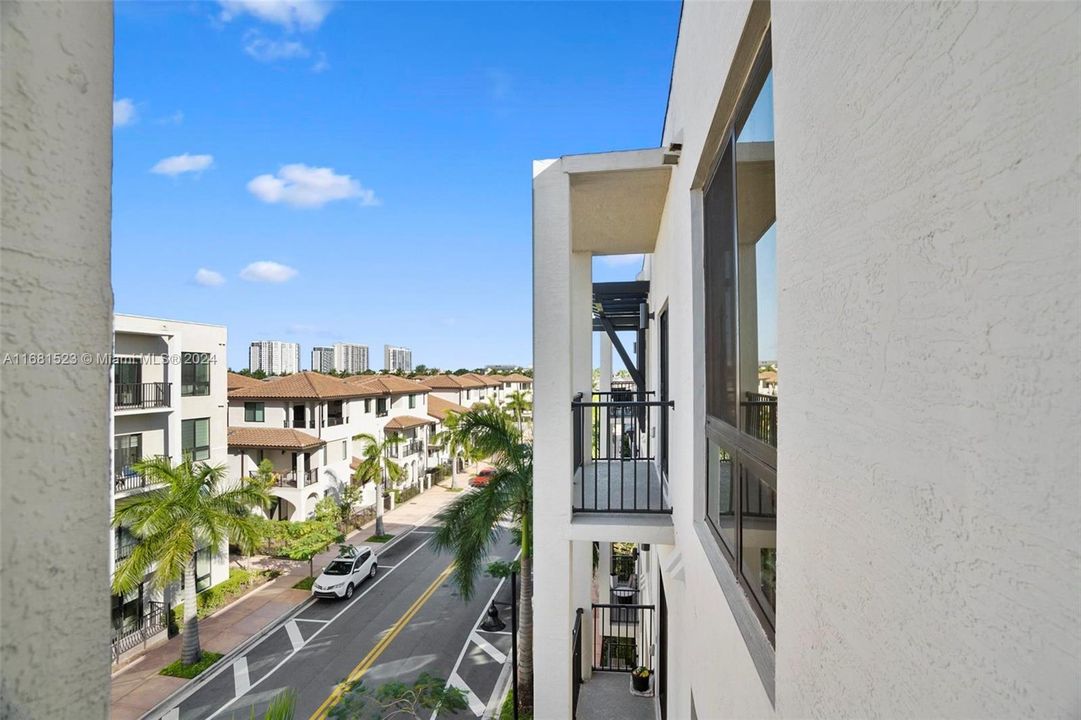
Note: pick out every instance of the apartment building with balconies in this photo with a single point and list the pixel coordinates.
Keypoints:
(458, 389)
(168, 400)
(837, 186)
(400, 406)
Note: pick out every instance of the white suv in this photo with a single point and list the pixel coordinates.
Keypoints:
(345, 573)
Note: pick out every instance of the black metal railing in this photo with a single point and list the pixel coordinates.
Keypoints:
(130, 480)
(617, 471)
(131, 635)
(576, 661)
(140, 396)
(760, 417)
(624, 637)
(311, 476)
(279, 479)
(334, 420)
(123, 551)
(406, 448)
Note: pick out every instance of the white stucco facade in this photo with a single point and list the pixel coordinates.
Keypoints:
(927, 260)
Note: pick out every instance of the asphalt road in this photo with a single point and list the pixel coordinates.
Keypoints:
(406, 621)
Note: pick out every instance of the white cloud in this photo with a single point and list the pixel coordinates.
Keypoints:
(264, 49)
(124, 112)
(301, 186)
(185, 163)
(175, 119)
(267, 271)
(620, 260)
(208, 278)
(321, 64)
(290, 14)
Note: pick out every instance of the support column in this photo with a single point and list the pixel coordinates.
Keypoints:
(553, 612)
(302, 505)
(582, 596)
(171, 375)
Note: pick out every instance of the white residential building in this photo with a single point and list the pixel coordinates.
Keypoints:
(901, 541)
(322, 359)
(397, 358)
(168, 399)
(274, 357)
(305, 425)
(350, 358)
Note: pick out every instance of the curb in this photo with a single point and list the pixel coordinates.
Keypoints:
(502, 687)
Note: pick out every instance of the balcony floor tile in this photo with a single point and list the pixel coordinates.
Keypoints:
(619, 486)
(607, 696)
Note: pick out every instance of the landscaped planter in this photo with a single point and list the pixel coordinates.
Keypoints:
(640, 679)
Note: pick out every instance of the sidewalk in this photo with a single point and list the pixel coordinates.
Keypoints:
(137, 687)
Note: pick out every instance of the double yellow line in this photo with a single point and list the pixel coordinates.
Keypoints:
(364, 665)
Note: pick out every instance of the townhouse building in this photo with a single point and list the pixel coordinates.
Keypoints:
(400, 406)
(439, 409)
(888, 187)
(490, 388)
(168, 400)
(458, 389)
(517, 382)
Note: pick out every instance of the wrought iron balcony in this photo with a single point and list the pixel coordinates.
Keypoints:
(130, 633)
(616, 454)
(141, 396)
(311, 476)
(760, 417)
(280, 479)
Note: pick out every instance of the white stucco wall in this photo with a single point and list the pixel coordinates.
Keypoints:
(928, 258)
(55, 296)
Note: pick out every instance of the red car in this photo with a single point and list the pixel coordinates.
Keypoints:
(482, 477)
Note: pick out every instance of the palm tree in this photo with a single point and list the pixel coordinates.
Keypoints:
(193, 509)
(376, 465)
(458, 444)
(517, 404)
(471, 523)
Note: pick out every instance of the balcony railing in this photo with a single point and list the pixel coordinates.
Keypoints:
(615, 453)
(335, 420)
(623, 637)
(123, 551)
(311, 476)
(132, 634)
(760, 417)
(280, 479)
(405, 449)
(140, 396)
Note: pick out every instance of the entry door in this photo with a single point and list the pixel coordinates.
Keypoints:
(664, 389)
(662, 655)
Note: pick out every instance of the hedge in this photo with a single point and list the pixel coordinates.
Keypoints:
(220, 595)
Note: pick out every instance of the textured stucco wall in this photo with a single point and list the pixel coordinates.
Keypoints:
(928, 264)
(55, 295)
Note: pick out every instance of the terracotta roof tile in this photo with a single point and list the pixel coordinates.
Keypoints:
(486, 380)
(517, 377)
(438, 407)
(387, 385)
(284, 438)
(405, 422)
(305, 384)
(451, 382)
(236, 380)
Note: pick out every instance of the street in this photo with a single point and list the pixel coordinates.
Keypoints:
(408, 620)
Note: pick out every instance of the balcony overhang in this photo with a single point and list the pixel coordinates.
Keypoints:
(617, 200)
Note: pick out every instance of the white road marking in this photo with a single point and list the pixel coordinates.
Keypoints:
(474, 702)
(288, 657)
(240, 675)
(173, 714)
(293, 630)
(489, 648)
(321, 622)
(494, 632)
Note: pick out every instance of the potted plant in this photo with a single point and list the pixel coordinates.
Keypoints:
(640, 678)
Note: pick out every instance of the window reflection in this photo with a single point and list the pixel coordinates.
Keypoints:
(758, 539)
(720, 508)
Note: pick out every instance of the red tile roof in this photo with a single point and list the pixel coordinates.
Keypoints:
(387, 385)
(283, 438)
(305, 384)
(404, 422)
(236, 380)
(438, 407)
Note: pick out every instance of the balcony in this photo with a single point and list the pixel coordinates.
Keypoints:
(141, 396)
(287, 479)
(123, 551)
(334, 420)
(622, 639)
(311, 476)
(130, 480)
(133, 632)
(760, 417)
(617, 472)
(412, 447)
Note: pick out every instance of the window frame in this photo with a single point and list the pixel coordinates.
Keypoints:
(196, 451)
(258, 412)
(746, 452)
(190, 384)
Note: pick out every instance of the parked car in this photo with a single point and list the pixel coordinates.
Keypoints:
(345, 573)
(481, 479)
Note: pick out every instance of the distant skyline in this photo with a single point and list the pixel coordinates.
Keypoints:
(360, 172)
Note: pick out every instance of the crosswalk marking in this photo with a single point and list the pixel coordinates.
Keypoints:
(240, 675)
(293, 630)
(475, 703)
(489, 648)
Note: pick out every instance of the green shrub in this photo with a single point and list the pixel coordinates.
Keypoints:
(220, 595)
(408, 494)
(176, 669)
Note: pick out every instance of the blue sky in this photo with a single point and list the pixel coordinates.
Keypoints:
(374, 156)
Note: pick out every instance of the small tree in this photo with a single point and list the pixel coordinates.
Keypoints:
(425, 698)
(306, 547)
(458, 444)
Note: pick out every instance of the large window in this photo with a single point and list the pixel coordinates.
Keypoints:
(194, 374)
(739, 216)
(412, 401)
(254, 412)
(127, 450)
(195, 438)
(380, 407)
